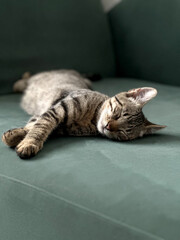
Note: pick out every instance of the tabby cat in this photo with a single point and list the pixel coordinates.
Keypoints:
(63, 103)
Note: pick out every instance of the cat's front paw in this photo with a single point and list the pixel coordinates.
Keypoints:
(27, 149)
(14, 136)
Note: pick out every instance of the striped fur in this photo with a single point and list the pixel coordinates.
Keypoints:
(63, 103)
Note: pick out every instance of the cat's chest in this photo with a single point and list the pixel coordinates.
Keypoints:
(79, 129)
(82, 128)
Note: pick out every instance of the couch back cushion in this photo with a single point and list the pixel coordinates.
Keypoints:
(40, 35)
(147, 39)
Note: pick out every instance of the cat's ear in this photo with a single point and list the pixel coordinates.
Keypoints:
(152, 127)
(141, 96)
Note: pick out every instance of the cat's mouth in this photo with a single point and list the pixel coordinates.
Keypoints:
(105, 130)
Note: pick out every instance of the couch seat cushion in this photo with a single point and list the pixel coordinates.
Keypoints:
(93, 188)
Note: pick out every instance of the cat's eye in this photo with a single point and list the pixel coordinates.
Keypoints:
(125, 114)
(116, 117)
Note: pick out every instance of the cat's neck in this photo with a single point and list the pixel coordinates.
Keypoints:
(100, 109)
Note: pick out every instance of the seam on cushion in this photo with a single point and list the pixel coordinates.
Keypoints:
(97, 214)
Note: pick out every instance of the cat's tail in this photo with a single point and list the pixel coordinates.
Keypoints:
(21, 84)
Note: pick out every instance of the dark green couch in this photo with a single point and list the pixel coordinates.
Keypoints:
(92, 188)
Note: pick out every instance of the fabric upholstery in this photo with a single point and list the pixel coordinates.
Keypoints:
(146, 37)
(94, 188)
(40, 35)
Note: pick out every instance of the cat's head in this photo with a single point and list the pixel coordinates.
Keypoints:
(122, 118)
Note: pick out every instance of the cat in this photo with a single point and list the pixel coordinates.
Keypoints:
(62, 102)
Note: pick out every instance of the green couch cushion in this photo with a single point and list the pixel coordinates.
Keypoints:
(84, 188)
(146, 37)
(42, 35)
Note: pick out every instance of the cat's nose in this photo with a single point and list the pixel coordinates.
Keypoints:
(108, 127)
(111, 126)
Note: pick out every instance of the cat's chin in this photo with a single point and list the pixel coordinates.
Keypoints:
(101, 129)
(109, 134)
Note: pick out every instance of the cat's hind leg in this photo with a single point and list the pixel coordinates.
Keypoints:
(20, 85)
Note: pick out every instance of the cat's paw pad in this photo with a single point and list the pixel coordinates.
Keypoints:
(14, 136)
(26, 150)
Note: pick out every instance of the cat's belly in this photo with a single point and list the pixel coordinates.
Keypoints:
(44, 88)
(37, 101)
(40, 101)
